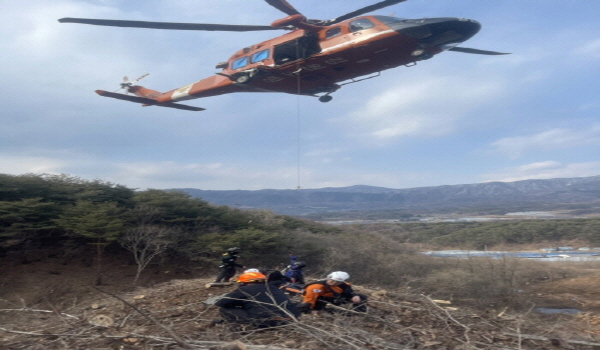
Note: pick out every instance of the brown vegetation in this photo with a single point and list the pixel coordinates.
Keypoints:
(50, 306)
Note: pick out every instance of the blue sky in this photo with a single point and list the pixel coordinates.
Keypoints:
(454, 119)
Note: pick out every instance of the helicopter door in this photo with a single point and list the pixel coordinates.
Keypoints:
(296, 49)
(357, 28)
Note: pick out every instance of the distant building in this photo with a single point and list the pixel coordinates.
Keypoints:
(558, 249)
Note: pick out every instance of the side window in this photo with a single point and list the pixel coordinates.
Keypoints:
(259, 56)
(240, 62)
(330, 33)
(360, 24)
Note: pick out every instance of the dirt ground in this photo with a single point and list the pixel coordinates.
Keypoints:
(48, 305)
(582, 293)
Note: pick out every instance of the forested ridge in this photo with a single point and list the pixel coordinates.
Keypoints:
(479, 235)
(73, 216)
(76, 219)
(578, 196)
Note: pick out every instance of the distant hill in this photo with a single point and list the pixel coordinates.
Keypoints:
(566, 193)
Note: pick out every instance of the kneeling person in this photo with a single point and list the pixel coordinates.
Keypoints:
(335, 290)
(257, 303)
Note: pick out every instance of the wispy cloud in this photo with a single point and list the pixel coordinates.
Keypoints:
(170, 174)
(16, 165)
(590, 49)
(544, 170)
(428, 108)
(558, 138)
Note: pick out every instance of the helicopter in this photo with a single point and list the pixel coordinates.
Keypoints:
(314, 58)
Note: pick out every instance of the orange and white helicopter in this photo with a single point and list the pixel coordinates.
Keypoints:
(315, 58)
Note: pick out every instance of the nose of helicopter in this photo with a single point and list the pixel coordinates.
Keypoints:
(438, 31)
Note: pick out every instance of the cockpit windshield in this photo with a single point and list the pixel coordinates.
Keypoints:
(388, 19)
(410, 27)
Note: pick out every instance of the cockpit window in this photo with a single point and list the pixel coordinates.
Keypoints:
(260, 56)
(360, 24)
(330, 33)
(240, 62)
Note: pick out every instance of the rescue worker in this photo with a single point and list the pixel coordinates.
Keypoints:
(335, 290)
(257, 303)
(228, 265)
(294, 270)
(283, 282)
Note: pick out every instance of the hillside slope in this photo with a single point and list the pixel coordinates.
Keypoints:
(175, 315)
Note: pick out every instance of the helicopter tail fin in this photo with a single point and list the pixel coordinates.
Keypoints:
(147, 101)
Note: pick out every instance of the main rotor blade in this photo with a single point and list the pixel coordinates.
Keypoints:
(166, 25)
(283, 6)
(476, 51)
(364, 10)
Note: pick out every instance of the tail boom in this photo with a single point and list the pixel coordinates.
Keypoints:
(146, 101)
(211, 86)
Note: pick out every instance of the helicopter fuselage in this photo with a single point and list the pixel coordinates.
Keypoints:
(311, 62)
(315, 58)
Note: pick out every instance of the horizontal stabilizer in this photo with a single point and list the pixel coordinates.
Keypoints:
(146, 101)
(180, 106)
(476, 51)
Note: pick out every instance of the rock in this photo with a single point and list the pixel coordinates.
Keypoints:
(101, 321)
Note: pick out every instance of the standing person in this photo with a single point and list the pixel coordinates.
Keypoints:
(294, 270)
(228, 265)
(335, 290)
(257, 303)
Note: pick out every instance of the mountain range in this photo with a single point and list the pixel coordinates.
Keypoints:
(581, 193)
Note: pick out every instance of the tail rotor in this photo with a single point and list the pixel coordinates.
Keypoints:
(127, 84)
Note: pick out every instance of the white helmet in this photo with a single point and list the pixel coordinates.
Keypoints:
(339, 276)
(252, 270)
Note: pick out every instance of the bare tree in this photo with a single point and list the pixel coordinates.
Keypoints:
(147, 239)
(146, 242)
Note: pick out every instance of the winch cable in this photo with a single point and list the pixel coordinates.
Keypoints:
(298, 121)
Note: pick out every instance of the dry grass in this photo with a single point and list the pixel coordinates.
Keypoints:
(396, 320)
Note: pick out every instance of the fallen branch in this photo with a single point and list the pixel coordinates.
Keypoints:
(405, 305)
(466, 328)
(175, 337)
(34, 333)
(315, 331)
(540, 337)
(202, 344)
(344, 309)
(205, 343)
(34, 310)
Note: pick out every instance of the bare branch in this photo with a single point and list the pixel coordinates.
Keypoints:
(175, 337)
(34, 310)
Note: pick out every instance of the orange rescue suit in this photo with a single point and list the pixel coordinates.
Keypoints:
(321, 289)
